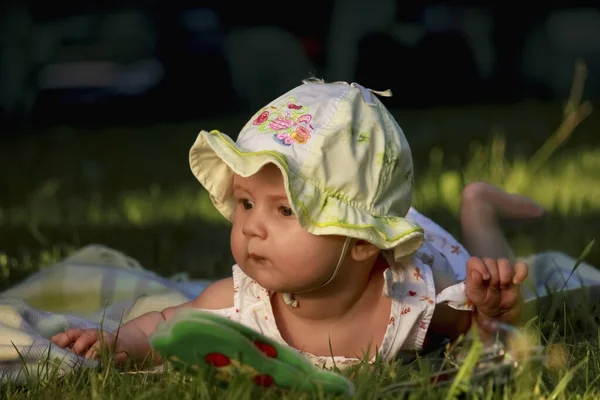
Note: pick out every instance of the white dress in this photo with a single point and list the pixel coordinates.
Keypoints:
(409, 284)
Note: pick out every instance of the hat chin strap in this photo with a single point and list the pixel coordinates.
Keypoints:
(288, 298)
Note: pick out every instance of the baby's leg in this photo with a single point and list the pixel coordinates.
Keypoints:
(483, 206)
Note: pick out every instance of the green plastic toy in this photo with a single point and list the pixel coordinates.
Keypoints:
(195, 340)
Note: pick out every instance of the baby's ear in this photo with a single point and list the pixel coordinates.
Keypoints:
(362, 250)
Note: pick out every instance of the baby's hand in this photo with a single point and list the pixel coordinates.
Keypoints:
(87, 342)
(493, 286)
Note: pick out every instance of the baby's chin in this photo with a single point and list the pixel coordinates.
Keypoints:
(273, 284)
(272, 281)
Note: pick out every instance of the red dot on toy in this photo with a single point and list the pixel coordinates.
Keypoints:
(269, 350)
(217, 359)
(263, 380)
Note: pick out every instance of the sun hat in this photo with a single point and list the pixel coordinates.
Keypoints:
(346, 164)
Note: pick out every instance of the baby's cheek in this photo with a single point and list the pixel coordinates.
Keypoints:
(237, 246)
(305, 260)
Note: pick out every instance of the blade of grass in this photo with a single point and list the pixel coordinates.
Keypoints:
(580, 259)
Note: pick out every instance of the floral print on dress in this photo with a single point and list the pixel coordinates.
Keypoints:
(290, 123)
(413, 303)
(417, 274)
(447, 246)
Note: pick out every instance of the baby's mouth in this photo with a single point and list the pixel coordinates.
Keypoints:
(255, 257)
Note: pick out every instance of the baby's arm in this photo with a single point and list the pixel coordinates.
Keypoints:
(216, 296)
(492, 286)
(131, 339)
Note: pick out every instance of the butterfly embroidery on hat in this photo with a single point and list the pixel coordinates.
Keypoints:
(290, 122)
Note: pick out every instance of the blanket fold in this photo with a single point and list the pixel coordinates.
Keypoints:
(94, 287)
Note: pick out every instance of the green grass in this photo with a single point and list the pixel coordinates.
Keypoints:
(130, 188)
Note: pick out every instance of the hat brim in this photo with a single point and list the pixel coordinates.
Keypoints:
(215, 157)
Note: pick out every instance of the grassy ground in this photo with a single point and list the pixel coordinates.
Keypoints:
(130, 188)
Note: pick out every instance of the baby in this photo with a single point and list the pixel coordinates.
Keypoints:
(330, 257)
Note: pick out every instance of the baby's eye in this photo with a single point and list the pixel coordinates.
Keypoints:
(247, 204)
(286, 211)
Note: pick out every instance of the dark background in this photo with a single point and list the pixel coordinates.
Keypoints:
(96, 62)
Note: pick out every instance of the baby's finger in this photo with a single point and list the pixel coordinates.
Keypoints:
(61, 340)
(476, 279)
(120, 358)
(505, 272)
(475, 289)
(84, 342)
(476, 264)
(521, 272)
(92, 353)
(64, 339)
(74, 334)
(492, 268)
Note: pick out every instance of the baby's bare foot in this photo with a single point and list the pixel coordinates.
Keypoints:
(483, 200)
(483, 207)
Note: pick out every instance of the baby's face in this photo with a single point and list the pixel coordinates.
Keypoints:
(269, 244)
